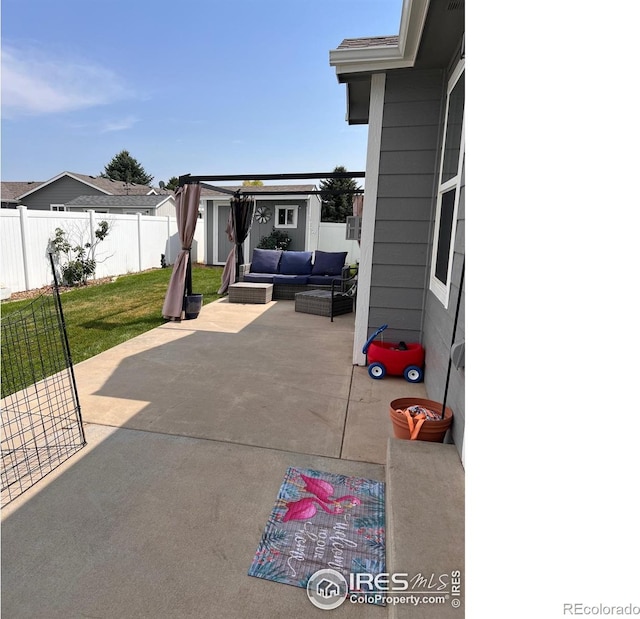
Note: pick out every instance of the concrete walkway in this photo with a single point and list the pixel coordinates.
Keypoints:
(261, 375)
(191, 428)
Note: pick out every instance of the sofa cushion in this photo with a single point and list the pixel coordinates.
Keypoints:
(295, 263)
(265, 260)
(323, 280)
(259, 278)
(300, 280)
(329, 262)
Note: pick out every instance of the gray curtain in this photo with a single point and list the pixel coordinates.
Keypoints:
(238, 226)
(187, 203)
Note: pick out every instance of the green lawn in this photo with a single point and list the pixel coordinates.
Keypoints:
(102, 316)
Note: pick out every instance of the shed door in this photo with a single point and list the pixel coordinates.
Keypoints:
(224, 246)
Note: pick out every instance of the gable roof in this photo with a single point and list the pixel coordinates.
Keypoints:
(120, 201)
(112, 187)
(105, 185)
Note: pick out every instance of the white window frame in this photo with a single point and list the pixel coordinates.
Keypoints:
(286, 207)
(57, 208)
(441, 290)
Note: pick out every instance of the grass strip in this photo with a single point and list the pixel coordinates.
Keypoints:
(102, 316)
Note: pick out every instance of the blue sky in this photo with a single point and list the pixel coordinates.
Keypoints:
(201, 86)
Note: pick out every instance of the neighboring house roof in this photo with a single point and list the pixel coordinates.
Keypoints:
(106, 185)
(12, 190)
(113, 187)
(301, 189)
(121, 201)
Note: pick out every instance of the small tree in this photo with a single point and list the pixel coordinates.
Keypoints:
(77, 262)
(336, 207)
(252, 184)
(123, 167)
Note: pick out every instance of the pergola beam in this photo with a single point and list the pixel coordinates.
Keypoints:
(188, 179)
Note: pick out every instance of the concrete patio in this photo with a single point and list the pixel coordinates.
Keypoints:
(190, 430)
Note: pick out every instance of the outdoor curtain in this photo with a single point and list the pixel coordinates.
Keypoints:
(238, 226)
(187, 203)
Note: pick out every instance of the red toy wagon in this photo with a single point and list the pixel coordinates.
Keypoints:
(395, 359)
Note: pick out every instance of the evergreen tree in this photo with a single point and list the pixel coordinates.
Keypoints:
(336, 207)
(172, 184)
(123, 167)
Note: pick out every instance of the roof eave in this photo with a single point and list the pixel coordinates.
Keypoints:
(354, 60)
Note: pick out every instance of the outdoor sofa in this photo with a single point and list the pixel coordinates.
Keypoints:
(291, 272)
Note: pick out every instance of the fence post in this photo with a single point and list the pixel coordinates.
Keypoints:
(139, 241)
(92, 226)
(168, 258)
(24, 238)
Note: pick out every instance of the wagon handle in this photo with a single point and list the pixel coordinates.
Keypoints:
(373, 337)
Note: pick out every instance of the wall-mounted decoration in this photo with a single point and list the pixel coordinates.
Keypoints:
(263, 214)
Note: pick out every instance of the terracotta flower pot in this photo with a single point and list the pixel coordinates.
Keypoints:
(432, 431)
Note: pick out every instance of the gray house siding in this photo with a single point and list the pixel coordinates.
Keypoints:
(405, 212)
(411, 126)
(296, 234)
(439, 323)
(259, 230)
(438, 328)
(61, 191)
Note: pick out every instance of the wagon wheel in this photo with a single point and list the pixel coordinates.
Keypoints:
(413, 374)
(377, 371)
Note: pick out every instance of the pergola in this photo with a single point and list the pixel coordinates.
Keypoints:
(187, 203)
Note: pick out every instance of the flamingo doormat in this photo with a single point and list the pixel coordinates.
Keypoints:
(321, 520)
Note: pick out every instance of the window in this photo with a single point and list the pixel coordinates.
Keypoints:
(58, 207)
(286, 217)
(443, 247)
(451, 162)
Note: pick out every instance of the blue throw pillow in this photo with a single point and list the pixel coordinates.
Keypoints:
(295, 263)
(265, 260)
(329, 263)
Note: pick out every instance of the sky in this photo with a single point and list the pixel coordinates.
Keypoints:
(200, 87)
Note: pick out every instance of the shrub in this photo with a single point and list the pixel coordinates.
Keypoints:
(276, 240)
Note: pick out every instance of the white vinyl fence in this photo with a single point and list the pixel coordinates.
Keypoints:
(332, 237)
(134, 243)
